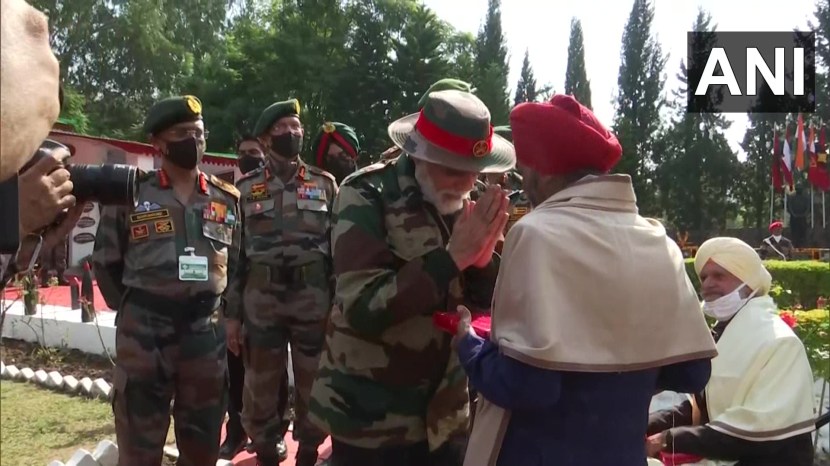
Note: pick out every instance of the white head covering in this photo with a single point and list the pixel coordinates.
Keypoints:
(739, 259)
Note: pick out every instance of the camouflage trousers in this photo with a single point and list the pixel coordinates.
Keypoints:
(276, 317)
(160, 358)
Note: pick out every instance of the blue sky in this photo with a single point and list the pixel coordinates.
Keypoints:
(543, 28)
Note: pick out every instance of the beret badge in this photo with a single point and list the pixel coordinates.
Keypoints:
(193, 104)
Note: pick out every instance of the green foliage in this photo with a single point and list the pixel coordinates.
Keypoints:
(492, 65)
(576, 77)
(813, 328)
(696, 177)
(639, 102)
(526, 90)
(795, 283)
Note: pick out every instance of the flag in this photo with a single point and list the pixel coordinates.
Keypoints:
(819, 175)
(787, 162)
(776, 161)
(799, 143)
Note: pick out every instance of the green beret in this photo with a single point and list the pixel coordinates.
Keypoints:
(171, 111)
(504, 131)
(446, 84)
(273, 113)
(334, 132)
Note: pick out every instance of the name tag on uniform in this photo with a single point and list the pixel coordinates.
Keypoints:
(218, 232)
(193, 268)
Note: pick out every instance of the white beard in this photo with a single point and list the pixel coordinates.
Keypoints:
(446, 202)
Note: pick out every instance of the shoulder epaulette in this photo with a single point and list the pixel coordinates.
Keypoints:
(225, 186)
(375, 167)
(319, 171)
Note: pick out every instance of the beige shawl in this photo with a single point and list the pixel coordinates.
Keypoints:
(761, 386)
(588, 285)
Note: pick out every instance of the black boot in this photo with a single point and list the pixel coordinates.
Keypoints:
(282, 450)
(306, 456)
(235, 439)
(267, 457)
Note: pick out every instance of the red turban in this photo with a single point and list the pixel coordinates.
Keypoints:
(561, 137)
(775, 225)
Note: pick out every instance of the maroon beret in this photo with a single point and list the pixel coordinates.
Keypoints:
(561, 137)
(775, 224)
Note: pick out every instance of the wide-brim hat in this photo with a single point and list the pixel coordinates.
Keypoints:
(453, 130)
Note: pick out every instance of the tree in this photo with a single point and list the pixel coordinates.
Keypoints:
(639, 100)
(576, 78)
(526, 88)
(822, 28)
(419, 57)
(492, 68)
(698, 170)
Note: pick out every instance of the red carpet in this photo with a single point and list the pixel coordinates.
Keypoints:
(58, 296)
(246, 459)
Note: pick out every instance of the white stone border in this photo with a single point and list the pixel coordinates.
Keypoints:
(95, 389)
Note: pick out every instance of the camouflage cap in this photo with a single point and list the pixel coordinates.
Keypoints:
(337, 133)
(453, 130)
(171, 111)
(273, 113)
(446, 84)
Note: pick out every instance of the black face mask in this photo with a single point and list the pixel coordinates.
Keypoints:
(287, 145)
(340, 167)
(248, 164)
(184, 154)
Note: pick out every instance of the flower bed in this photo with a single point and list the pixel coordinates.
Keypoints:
(813, 327)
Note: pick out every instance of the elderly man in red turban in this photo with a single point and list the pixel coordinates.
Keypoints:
(593, 312)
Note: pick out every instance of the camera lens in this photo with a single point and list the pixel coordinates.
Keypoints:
(107, 184)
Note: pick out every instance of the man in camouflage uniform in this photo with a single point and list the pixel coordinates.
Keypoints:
(335, 149)
(164, 266)
(285, 281)
(249, 157)
(390, 389)
(53, 263)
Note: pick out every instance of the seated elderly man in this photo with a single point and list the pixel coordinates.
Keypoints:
(407, 243)
(593, 311)
(757, 408)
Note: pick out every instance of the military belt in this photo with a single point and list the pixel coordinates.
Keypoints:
(285, 275)
(192, 309)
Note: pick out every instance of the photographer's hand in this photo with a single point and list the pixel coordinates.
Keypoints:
(50, 238)
(45, 192)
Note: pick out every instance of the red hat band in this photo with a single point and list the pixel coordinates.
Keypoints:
(454, 143)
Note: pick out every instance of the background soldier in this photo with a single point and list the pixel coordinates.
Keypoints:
(285, 280)
(336, 149)
(164, 267)
(53, 263)
(249, 158)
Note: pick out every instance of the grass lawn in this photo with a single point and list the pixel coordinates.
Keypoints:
(39, 425)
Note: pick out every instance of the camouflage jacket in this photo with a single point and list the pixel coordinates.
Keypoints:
(140, 248)
(284, 224)
(387, 375)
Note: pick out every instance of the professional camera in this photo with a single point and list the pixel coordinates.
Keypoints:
(106, 184)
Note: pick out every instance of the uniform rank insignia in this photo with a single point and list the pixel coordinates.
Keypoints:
(259, 192)
(147, 206)
(311, 192)
(139, 231)
(149, 215)
(164, 226)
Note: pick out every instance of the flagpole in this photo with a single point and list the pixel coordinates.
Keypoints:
(812, 209)
(771, 202)
(823, 212)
